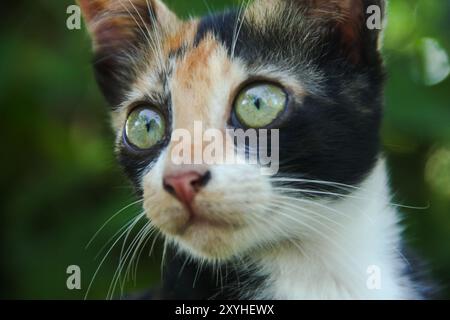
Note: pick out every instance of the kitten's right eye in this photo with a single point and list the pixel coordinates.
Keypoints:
(145, 127)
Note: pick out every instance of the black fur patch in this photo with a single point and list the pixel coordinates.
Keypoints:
(189, 280)
(223, 25)
(113, 77)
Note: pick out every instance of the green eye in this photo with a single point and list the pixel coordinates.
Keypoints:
(145, 127)
(258, 106)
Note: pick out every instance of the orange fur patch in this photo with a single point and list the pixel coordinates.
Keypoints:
(192, 67)
(184, 35)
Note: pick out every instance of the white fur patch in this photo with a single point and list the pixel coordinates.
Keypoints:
(353, 254)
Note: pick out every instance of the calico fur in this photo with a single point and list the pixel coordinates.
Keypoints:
(313, 230)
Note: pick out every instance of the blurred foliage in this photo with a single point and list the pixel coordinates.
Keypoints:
(60, 181)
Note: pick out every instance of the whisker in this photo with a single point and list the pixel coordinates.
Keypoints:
(283, 202)
(340, 195)
(238, 26)
(158, 234)
(164, 255)
(109, 220)
(150, 236)
(127, 224)
(208, 7)
(132, 263)
(136, 220)
(158, 43)
(321, 234)
(186, 261)
(132, 267)
(122, 260)
(134, 18)
(321, 182)
(288, 237)
(156, 49)
(199, 269)
(315, 203)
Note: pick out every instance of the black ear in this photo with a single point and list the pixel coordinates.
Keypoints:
(356, 24)
(122, 31)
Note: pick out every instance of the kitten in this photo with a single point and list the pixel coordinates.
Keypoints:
(322, 227)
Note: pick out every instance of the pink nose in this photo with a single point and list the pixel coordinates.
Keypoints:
(185, 185)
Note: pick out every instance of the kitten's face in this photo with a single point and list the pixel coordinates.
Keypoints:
(308, 68)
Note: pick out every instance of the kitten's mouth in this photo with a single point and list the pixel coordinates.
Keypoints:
(199, 219)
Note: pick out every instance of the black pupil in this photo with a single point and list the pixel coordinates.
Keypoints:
(258, 103)
(148, 125)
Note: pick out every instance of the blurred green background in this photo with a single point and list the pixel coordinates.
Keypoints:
(60, 181)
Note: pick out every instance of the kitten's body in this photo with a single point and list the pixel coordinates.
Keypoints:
(323, 226)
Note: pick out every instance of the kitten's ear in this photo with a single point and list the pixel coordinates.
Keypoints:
(356, 24)
(118, 22)
(120, 31)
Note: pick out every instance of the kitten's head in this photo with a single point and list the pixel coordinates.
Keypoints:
(309, 68)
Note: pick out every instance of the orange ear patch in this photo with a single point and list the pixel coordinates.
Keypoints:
(91, 8)
(120, 22)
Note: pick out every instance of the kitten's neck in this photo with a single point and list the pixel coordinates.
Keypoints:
(356, 257)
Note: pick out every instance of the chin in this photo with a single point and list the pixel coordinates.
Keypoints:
(213, 243)
(207, 239)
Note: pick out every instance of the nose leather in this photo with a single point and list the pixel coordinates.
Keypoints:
(185, 185)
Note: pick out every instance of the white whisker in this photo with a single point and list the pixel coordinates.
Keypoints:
(136, 220)
(109, 220)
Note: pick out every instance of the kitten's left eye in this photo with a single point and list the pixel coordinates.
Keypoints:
(257, 106)
(145, 127)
